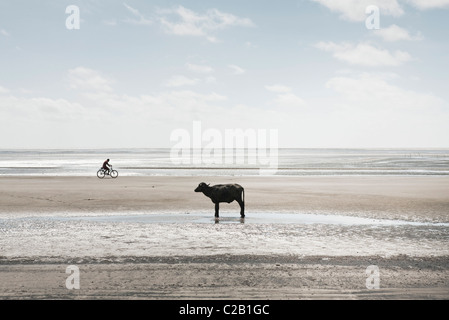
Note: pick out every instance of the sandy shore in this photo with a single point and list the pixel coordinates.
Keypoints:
(412, 197)
(232, 277)
(226, 261)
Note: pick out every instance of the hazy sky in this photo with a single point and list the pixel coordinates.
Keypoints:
(135, 71)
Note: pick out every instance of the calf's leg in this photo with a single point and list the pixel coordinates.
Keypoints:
(242, 207)
(216, 210)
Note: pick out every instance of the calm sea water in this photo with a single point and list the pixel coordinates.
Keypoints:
(160, 162)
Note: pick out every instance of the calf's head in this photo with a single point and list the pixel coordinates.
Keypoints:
(201, 187)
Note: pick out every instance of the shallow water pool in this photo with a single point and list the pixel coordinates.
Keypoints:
(254, 218)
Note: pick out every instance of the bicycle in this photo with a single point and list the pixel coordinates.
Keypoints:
(102, 172)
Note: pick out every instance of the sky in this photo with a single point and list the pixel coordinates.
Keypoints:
(129, 73)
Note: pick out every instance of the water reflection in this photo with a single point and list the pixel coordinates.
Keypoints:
(227, 220)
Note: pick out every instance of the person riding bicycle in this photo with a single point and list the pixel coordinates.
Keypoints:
(106, 166)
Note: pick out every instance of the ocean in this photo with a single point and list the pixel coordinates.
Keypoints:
(162, 162)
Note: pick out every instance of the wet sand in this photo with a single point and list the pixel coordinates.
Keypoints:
(392, 197)
(233, 260)
(231, 277)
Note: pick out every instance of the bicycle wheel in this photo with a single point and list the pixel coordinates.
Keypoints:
(100, 174)
(114, 174)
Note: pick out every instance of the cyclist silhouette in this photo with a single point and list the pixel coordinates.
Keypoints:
(106, 166)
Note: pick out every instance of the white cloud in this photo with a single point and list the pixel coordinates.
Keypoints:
(140, 18)
(89, 80)
(26, 91)
(4, 32)
(236, 69)
(3, 90)
(369, 110)
(359, 110)
(374, 93)
(395, 33)
(289, 100)
(39, 109)
(364, 54)
(250, 45)
(180, 80)
(285, 99)
(127, 120)
(429, 4)
(199, 68)
(212, 39)
(279, 88)
(185, 22)
(362, 110)
(111, 23)
(210, 79)
(354, 10)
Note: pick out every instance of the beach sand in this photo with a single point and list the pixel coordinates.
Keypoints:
(223, 261)
(408, 197)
